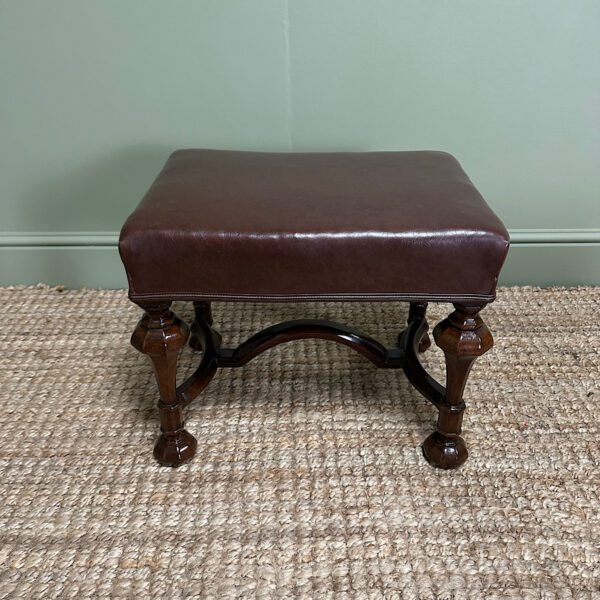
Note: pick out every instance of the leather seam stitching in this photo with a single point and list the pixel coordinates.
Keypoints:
(324, 297)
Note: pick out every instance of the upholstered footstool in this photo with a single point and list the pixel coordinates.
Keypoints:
(267, 227)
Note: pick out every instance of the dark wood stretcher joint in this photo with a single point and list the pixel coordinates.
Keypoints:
(462, 337)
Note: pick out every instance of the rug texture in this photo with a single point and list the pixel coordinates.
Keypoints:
(309, 480)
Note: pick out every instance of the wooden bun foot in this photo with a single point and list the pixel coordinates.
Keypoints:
(174, 450)
(444, 452)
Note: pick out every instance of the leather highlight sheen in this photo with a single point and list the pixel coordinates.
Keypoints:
(227, 225)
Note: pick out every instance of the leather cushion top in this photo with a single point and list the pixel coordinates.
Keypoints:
(289, 226)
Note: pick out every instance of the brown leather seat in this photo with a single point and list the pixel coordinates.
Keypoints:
(222, 225)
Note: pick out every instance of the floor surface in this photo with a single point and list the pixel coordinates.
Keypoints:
(309, 480)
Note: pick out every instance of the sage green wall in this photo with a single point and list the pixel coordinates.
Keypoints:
(95, 94)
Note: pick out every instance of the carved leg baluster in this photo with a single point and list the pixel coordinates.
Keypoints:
(418, 311)
(203, 313)
(463, 336)
(161, 335)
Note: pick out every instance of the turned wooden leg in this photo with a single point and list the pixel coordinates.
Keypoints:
(161, 335)
(203, 312)
(463, 336)
(417, 311)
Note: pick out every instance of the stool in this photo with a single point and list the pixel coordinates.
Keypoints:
(289, 227)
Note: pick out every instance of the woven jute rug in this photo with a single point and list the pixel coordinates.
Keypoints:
(309, 480)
